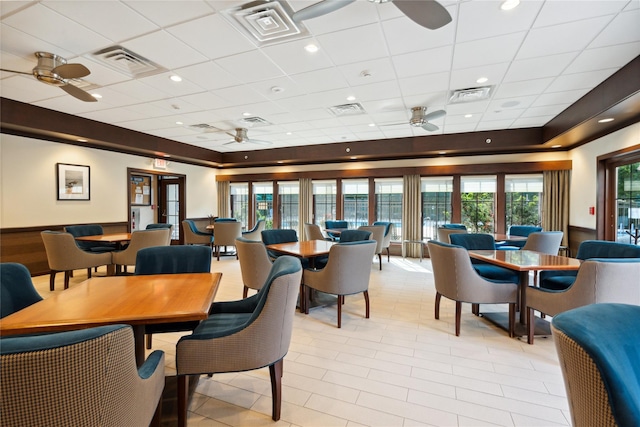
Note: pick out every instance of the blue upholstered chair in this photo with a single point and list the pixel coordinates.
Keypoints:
(243, 335)
(480, 241)
(522, 231)
(224, 220)
(454, 226)
(16, 288)
(354, 236)
(335, 224)
(86, 377)
(172, 260)
(255, 232)
(560, 280)
(193, 236)
(90, 230)
(598, 347)
(388, 234)
(271, 237)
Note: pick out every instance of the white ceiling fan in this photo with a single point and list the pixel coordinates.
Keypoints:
(427, 13)
(241, 137)
(54, 70)
(420, 119)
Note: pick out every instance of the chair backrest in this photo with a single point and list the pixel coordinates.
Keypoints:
(255, 263)
(454, 226)
(255, 232)
(473, 241)
(173, 260)
(193, 236)
(225, 220)
(271, 237)
(86, 230)
(16, 288)
(265, 335)
(598, 347)
(523, 230)
(547, 242)
(63, 254)
(91, 379)
(349, 268)
(159, 225)
(313, 232)
(388, 232)
(226, 233)
(377, 234)
(444, 233)
(354, 235)
(139, 240)
(604, 249)
(336, 224)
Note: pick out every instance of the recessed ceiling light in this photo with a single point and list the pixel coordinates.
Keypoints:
(353, 157)
(280, 161)
(509, 4)
(488, 140)
(166, 155)
(179, 123)
(351, 98)
(556, 146)
(371, 125)
(607, 120)
(482, 80)
(442, 152)
(466, 116)
(176, 78)
(246, 114)
(96, 95)
(81, 140)
(289, 133)
(311, 48)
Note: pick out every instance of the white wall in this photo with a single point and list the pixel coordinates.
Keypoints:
(583, 177)
(28, 184)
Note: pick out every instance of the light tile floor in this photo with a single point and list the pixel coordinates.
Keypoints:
(401, 367)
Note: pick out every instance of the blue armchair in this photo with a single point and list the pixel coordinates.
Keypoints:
(561, 280)
(388, 234)
(335, 224)
(523, 231)
(598, 347)
(481, 241)
(172, 260)
(255, 232)
(90, 230)
(354, 236)
(193, 236)
(86, 377)
(16, 288)
(271, 237)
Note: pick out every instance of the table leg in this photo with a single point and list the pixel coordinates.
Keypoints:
(522, 300)
(138, 339)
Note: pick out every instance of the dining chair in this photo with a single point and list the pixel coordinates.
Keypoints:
(139, 240)
(388, 234)
(482, 241)
(175, 259)
(64, 255)
(154, 226)
(16, 288)
(335, 224)
(377, 234)
(547, 242)
(598, 347)
(193, 236)
(280, 235)
(347, 272)
(86, 377)
(523, 231)
(354, 235)
(255, 232)
(313, 232)
(456, 279)
(225, 234)
(255, 264)
(90, 230)
(598, 280)
(444, 233)
(244, 335)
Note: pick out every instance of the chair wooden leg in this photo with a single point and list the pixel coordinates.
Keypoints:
(183, 398)
(437, 305)
(89, 273)
(380, 259)
(475, 309)
(149, 341)
(458, 313)
(512, 320)
(52, 280)
(340, 299)
(531, 325)
(218, 252)
(366, 303)
(388, 255)
(67, 274)
(245, 291)
(275, 371)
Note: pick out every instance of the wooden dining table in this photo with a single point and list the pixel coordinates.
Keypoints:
(118, 238)
(523, 261)
(132, 300)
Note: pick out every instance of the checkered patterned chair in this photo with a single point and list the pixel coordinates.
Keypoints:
(244, 335)
(78, 378)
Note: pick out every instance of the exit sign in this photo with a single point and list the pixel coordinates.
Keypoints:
(159, 163)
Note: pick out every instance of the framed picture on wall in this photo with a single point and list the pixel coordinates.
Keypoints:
(73, 182)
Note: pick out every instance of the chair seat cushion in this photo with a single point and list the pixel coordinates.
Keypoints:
(218, 325)
(557, 283)
(496, 274)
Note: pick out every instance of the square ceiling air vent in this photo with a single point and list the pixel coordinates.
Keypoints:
(266, 21)
(205, 127)
(122, 59)
(470, 94)
(254, 122)
(347, 109)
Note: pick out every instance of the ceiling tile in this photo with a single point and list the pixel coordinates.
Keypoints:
(537, 68)
(249, 67)
(623, 29)
(293, 58)
(467, 77)
(165, 50)
(604, 57)
(165, 13)
(477, 21)
(354, 45)
(482, 52)
(320, 80)
(209, 75)
(423, 62)
(579, 80)
(367, 72)
(403, 38)
(558, 12)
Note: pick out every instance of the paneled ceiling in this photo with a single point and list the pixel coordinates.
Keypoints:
(372, 62)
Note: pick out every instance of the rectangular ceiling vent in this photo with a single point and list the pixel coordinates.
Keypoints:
(254, 121)
(205, 127)
(470, 94)
(122, 59)
(267, 22)
(347, 109)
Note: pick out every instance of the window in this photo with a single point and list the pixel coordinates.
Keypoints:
(436, 204)
(523, 199)
(478, 203)
(388, 194)
(628, 203)
(355, 202)
(324, 201)
(263, 198)
(240, 202)
(289, 195)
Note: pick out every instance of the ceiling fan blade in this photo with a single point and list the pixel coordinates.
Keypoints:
(427, 13)
(430, 127)
(435, 115)
(71, 71)
(78, 93)
(18, 72)
(321, 8)
(259, 142)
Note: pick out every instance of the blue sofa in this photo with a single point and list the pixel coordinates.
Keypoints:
(561, 280)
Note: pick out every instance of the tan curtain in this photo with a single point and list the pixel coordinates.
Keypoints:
(555, 202)
(224, 199)
(305, 204)
(411, 212)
